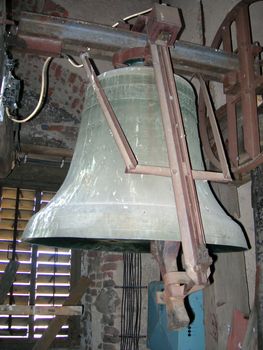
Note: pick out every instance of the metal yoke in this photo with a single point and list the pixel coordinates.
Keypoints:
(178, 284)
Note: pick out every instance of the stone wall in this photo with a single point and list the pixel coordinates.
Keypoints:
(101, 321)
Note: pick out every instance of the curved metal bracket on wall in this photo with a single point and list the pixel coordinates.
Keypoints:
(241, 87)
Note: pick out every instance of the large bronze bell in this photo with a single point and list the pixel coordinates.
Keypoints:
(99, 206)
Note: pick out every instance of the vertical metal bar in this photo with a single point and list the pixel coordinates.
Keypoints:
(204, 135)
(231, 107)
(232, 130)
(247, 83)
(189, 218)
(216, 134)
(33, 272)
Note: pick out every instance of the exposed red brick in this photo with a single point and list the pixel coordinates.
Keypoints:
(58, 72)
(108, 267)
(56, 127)
(82, 89)
(108, 274)
(113, 257)
(72, 78)
(75, 103)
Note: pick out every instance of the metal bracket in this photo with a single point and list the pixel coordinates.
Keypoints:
(241, 87)
(196, 257)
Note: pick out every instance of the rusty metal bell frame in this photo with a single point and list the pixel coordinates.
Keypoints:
(99, 206)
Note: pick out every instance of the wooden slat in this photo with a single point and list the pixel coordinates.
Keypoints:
(49, 300)
(20, 277)
(22, 267)
(50, 258)
(21, 289)
(25, 247)
(10, 193)
(19, 300)
(43, 268)
(11, 204)
(16, 321)
(47, 279)
(49, 290)
(20, 256)
(10, 214)
(44, 321)
(6, 224)
(15, 332)
(42, 330)
(7, 278)
(43, 248)
(6, 235)
(55, 325)
(47, 196)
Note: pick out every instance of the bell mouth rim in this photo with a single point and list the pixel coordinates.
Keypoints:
(116, 245)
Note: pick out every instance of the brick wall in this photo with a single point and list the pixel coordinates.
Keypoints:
(101, 322)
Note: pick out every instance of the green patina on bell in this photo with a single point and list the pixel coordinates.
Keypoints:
(99, 206)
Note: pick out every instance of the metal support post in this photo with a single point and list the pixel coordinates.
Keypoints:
(196, 256)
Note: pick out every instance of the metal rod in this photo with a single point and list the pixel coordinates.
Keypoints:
(63, 35)
(196, 256)
(119, 136)
(247, 83)
(166, 172)
(216, 134)
(231, 106)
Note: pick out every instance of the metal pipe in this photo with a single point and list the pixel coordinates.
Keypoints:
(63, 35)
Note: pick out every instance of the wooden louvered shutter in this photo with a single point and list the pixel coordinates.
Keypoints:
(43, 276)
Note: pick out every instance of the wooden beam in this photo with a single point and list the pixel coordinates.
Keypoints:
(57, 322)
(40, 310)
(7, 154)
